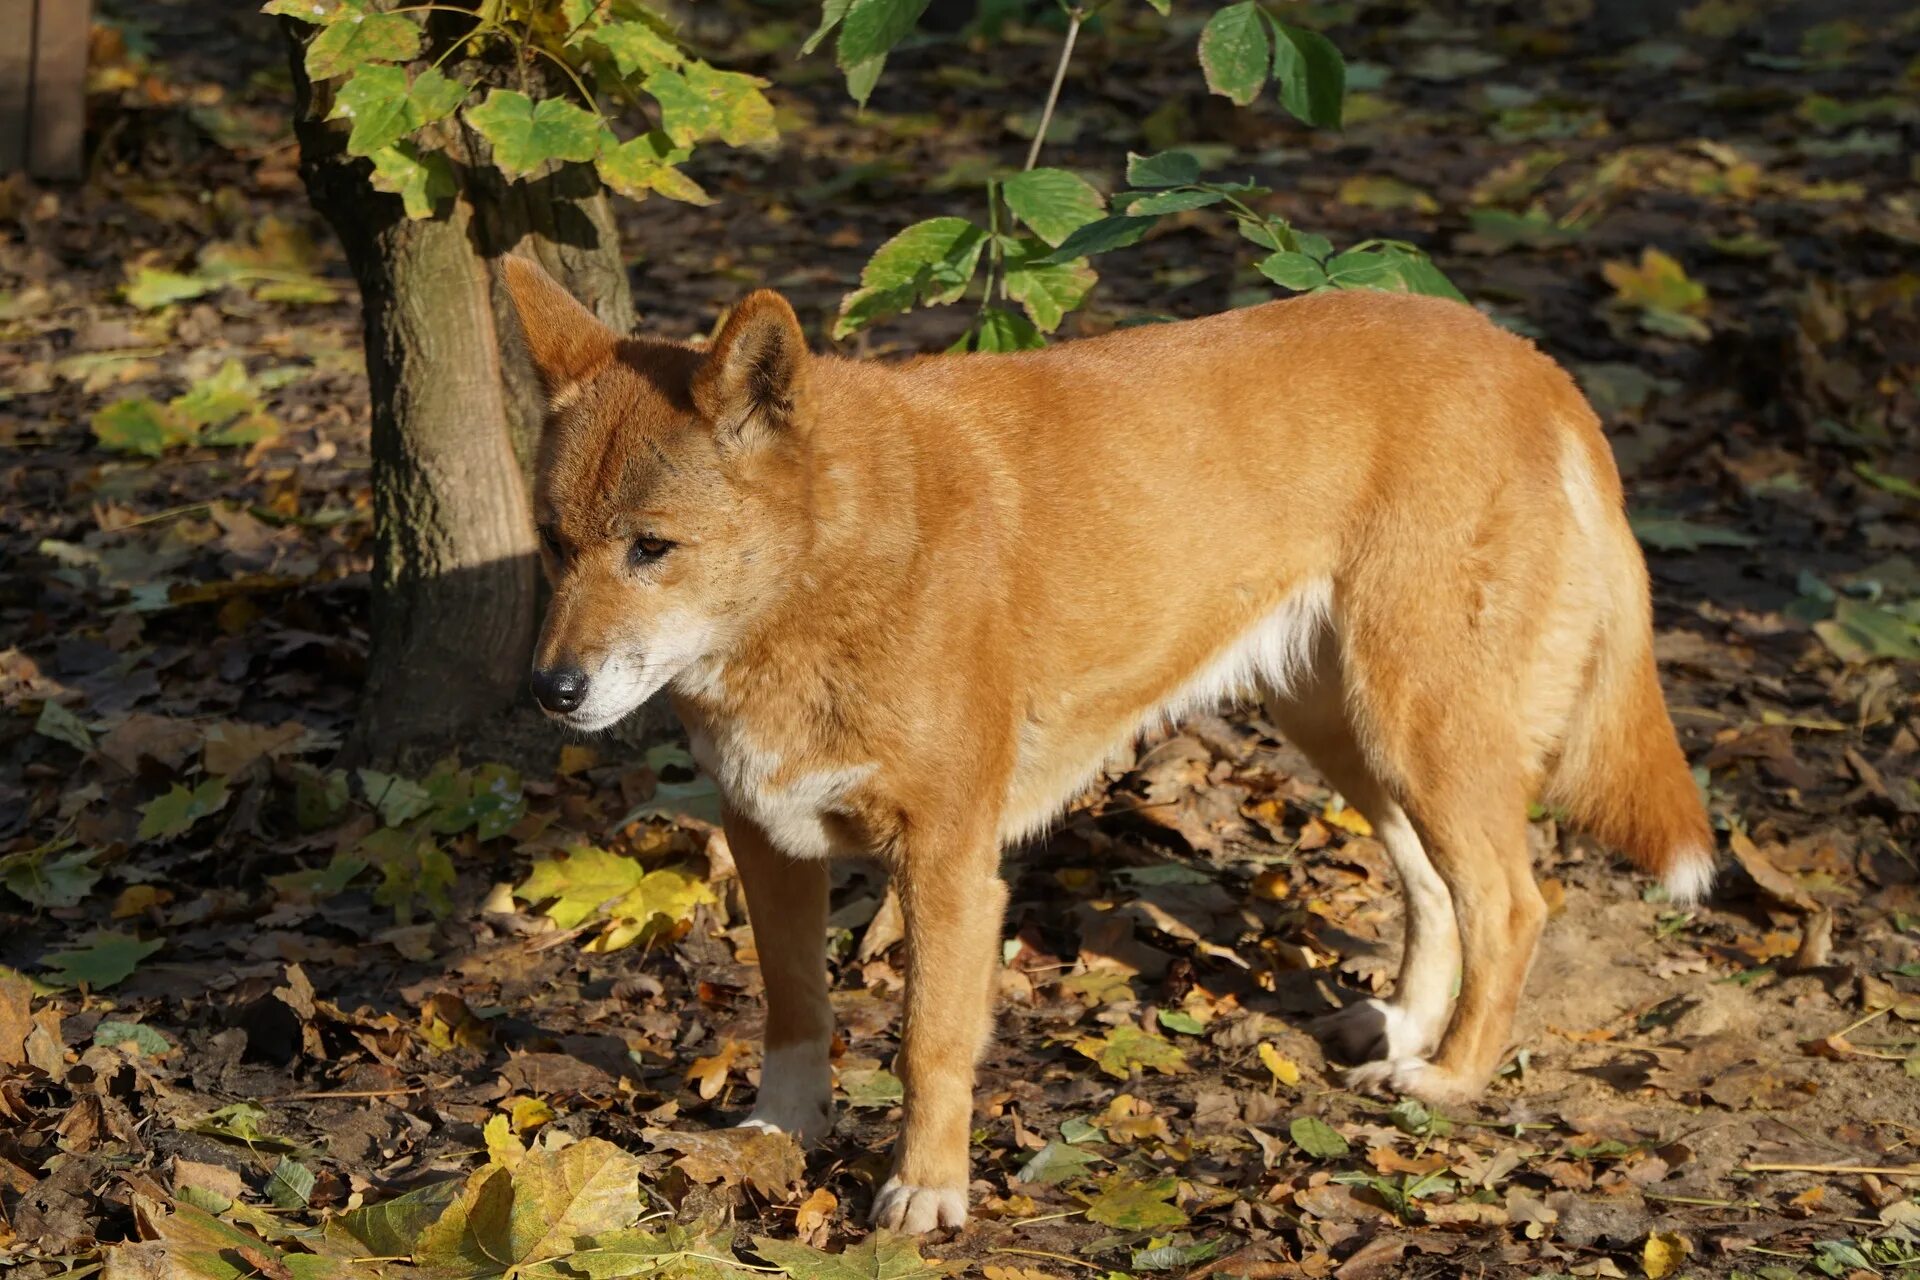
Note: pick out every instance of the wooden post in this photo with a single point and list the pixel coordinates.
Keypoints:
(43, 86)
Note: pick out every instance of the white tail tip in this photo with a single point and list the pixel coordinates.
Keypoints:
(1691, 877)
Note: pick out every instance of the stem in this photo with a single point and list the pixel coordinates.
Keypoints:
(586, 94)
(1074, 17)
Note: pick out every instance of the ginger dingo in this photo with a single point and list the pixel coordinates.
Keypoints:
(908, 610)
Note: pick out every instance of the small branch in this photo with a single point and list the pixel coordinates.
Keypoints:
(1883, 1170)
(1053, 94)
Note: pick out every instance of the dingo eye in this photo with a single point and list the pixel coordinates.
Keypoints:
(551, 542)
(647, 550)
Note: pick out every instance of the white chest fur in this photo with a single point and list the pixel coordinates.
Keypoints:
(792, 808)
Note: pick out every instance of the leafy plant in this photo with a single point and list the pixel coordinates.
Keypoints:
(1028, 267)
(623, 50)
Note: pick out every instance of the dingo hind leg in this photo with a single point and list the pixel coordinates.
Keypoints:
(1313, 714)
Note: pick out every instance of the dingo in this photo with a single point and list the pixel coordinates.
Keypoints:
(908, 610)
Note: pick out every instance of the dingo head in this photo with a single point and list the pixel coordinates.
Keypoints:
(670, 501)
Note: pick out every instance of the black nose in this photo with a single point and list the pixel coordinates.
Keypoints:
(559, 689)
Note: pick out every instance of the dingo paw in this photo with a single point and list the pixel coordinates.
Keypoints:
(901, 1206)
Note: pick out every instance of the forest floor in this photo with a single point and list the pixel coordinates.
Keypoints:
(242, 985)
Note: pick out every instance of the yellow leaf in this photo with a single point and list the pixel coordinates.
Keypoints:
(529, 1114)
(1348, 820)
(138, 899)
(1659, 283)
(1284, 1069)
(1272, 885)
(709, 1075)
(1663, 1254)
(503, 1148)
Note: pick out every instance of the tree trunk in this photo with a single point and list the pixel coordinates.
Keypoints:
(456, 413)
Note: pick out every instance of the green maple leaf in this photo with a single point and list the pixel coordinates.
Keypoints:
(174, 813)
(636, 47)
(357, 38)
(103, 959)
(645, 164)
(1127, 1048)
(218, 400)
(140, 425)
(150, 288)
(1135, 1204)
(884, 1255)
(698, 102)
(509, 1222)
(527, 135)
(41, 881)
(422, 180)
(385, 107)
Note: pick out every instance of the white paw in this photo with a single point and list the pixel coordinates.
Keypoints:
(1411, 1077)
(796, 1094)
(901, 1206)
(1375, 1030)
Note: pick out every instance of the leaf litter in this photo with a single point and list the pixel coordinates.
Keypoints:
(259, 1016)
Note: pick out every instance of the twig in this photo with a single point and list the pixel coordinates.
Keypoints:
(1051, 1257)
(1884, 1170)
(319, 1095)
(1053, 94)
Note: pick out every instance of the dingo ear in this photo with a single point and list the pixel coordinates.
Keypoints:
(567, 342)
(753, 374)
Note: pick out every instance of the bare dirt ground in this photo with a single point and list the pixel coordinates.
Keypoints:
(241, 985)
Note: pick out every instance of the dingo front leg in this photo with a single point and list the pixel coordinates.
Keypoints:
(787, 905)
(953, 900)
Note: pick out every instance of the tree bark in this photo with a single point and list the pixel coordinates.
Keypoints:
(456, 412)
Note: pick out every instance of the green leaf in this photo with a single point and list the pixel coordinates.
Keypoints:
(1363, 269)
(1318, 1138)
(1899, 486)
(884, 1255)
(318, 12)
(872, 27)
(385, 107)
(1058, 1162)
(645, 164)
(1420, 275)
(412, 866)
(1000, 330)
(1163, 169)
(150, 289)
(1144, 205)
(60, 724)
(863, 76)
(871, 1087)
(174, 813)
(1862, 632)
(1311, 74)
(1127, 1049)
(291, 1184)
(1235, 52)
(929, 263)
(1184, 1023)
(357, 38)
(1293, 271)
(396, 799)
(389, 1229)
(698, 102)
(1047, 290)
(217, 400)
(831, 14)
(45, 882)
(511, 1221)
(526, 135)
(638, 49)
(1099, 237)
(144, 1039)
(1676, 533)
(103, 959)
(1054, 202)
(1136, 1204)
(140, 425)
(421, 180)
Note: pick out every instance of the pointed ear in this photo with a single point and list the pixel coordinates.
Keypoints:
(567, 342)
(754, 373)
